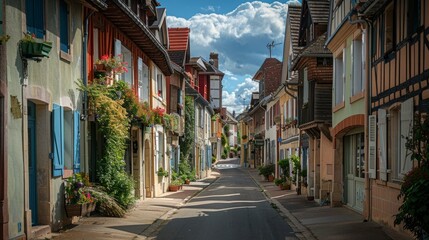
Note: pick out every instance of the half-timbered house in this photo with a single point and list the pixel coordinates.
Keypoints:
(398, 58)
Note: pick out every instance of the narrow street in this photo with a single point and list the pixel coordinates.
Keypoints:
(233, 207)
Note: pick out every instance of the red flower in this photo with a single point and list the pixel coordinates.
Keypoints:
(105, 57)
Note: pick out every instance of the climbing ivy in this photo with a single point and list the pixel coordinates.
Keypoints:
(113, 122)
(187, 141)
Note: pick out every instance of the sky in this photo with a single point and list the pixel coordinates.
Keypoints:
(239, 32)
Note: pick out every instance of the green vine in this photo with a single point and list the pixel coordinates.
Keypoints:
(187, 141)
(114, 124)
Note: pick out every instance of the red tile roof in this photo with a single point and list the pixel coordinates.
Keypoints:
(179, 38)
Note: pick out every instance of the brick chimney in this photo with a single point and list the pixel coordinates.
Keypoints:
(215, 58)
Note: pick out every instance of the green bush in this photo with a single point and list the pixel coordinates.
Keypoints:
(266, 170)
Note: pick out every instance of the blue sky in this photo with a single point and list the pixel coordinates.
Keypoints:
(238, 31)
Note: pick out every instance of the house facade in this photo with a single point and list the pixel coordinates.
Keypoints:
(398, 89)
(4, 211)
(42, 109)
(146, 76)
(346, 42)
(289, 134)
(268, 76)
(314, 66)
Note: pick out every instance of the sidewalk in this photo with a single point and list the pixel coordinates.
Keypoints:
(141, 222)
(311, 221)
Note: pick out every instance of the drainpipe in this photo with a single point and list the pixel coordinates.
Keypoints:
(84, 101)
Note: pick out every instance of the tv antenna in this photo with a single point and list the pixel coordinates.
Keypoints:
(271, 45)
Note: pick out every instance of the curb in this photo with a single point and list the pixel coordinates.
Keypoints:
(301, 231)
(154, 228)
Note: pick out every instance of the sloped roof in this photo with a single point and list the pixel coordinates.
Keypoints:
(210, 68)
(179, 38)
(177, 57)
(315, 49)
(294, 12)
(319, 10)
(160, 12)
(269, 62)
(179, 44)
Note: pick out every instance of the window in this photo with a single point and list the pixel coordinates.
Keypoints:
(127, 57)
(64, 26)
(400, 122)
(159, 84)
(339, 78)
(34, 10)
(388, 27)
(305, 90)
(357, 69)
(323, 61)
(413, 16)
(159, 150)
(143, 81)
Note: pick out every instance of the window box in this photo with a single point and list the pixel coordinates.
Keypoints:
(35, 49)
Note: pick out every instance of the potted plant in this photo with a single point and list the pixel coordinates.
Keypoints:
(78, 200)
(284, 165)
(162, 173)
(32, 47)
(174, 185)
(267, 171)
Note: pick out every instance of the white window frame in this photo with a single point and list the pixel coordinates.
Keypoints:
(306, 86)
(339, 75)
(357, 69)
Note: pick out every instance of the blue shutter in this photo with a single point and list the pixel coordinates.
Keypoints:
(64, 26)
(57, 140)
(76, 142)
(34, 10)
(29, 11)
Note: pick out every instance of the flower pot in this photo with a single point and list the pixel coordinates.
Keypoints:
(270, 178)
(187, 181)
(173, 188)
(36, 49)
(79, 209)
(284, 186)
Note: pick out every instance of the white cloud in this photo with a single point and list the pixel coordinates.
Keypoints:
(238, 98)
(239, 37)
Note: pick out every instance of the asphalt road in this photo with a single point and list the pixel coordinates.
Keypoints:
(233, 207)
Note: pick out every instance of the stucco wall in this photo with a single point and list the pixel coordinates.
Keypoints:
(50, 81)
(350, 108)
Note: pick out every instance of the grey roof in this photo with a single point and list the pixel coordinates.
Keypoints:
(315, 49)
(178, 57)
(160, 12)
(319, 10)
(211, 68)
(294, 15)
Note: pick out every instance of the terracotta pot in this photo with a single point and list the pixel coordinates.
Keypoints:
(270, 178)
(187, 181)
(173, 188)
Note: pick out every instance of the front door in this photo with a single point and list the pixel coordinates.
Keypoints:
(32, 163)
(354, 158)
